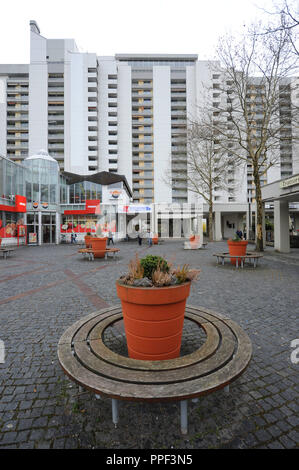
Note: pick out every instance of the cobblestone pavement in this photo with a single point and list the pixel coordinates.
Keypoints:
(45, 289)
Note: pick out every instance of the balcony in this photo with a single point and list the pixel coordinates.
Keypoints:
(58, 136)
(56, 145)
(139, 140)
(145, 86)
(58, 81)
(145, 113)
(22, 145)
(92, 135)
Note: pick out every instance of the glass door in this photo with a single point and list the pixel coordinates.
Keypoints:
(48, 227)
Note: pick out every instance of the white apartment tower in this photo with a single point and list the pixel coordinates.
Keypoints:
(127, 114)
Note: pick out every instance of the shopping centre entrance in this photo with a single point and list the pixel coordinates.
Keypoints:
(41, 228)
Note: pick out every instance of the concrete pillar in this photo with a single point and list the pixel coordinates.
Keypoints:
(57, 232)
(264, 227)
(281, 226)
(40, 230)
(200, 229)
(218, 231)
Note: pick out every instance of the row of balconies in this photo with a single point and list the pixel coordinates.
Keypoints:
(17, 108)
(23, 117)
(17, 127)
(145, 86)
(58, 136)
(22, 136)
(15, 146)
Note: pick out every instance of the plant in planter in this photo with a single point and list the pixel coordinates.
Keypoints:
(153, 297)
(87, 238)
(237, 247)
(155, 239)
(98, 243)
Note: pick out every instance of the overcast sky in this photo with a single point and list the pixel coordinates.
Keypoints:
(126, 26)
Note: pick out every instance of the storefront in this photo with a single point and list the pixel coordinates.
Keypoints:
(13, 204)
(41, 205)
(281, 198)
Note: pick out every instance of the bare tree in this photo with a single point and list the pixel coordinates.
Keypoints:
(208, 164)
(286, 16)
(256, 80)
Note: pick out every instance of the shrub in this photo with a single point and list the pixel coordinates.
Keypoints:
(155, 271)
(151, 262)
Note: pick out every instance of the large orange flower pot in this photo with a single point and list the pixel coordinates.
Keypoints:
(153, 320)
(194, 241)
(98, 246)
(155, 239)
(87, 239)
(237, 249)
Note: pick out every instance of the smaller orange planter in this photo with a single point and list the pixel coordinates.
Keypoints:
(155, 239)
(153, 319)
(98, 246)
(194, 241)
(237, 249)
(87, 239)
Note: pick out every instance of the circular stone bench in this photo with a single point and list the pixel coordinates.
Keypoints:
(222, 358)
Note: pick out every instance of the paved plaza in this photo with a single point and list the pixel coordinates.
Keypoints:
(43, 290)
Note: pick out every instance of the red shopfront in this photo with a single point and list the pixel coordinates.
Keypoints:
(12, 221)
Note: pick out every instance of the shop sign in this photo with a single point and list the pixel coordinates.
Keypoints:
(115, 194)
(133, 209)
(32, 237)
(289, 182)
(35, 205)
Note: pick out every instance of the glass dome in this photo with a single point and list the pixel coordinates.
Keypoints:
(42, 180)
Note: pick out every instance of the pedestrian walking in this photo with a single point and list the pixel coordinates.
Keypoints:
(110, 238)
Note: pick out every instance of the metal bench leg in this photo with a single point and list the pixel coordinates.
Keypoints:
(254, 263)
(237, 263)
(222, 261)
(184, 416)
(114, 412)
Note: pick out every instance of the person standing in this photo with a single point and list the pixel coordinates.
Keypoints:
(150, 237)
(110, 238)
(139, 238)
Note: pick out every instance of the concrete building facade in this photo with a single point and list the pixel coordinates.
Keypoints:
(126, 114)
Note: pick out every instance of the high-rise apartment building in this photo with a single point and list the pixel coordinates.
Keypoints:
(126, 114)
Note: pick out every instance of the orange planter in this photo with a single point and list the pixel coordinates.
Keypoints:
(87, 239)
(194, 241)
(155, 239)
(97, 245)
(237, 249)
(153, 319)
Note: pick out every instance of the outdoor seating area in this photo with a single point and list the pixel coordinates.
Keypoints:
(91, 364)
(239, 260)
(6, 251)
(66, 372)
(91, 254)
